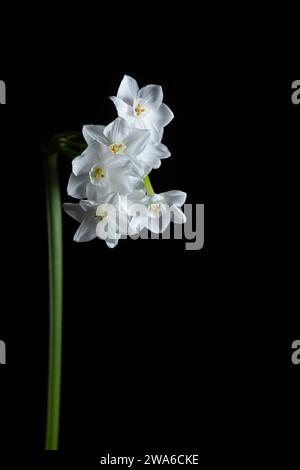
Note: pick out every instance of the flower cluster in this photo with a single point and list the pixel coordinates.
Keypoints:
(111, 176)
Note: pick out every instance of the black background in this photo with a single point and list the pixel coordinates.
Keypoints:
(163, 348)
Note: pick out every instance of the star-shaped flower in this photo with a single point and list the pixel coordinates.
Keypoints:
(141, 147)
(97, 173)
(142, 108)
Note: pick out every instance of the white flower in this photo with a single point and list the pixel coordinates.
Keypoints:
(137, 145)
(156, 212)
(97, 173)
(142, 108)
(117, 220)
(98, 219)
(150, 158)
(118, 138)
(129, 205)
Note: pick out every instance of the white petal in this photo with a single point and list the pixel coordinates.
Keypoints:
(88, 206)
(77, 186)
(147, 165)
(106, 228)
(125, 184)
(124, 110)
(139, 122)
(176, 198)
(121, 166)
(74, 210)
(86, 230)
(92, 133)
(122, 223)
(151, 157)
(136, 196)
(128, 89)
(97, 193)
(154, 224)
(178, 216)
(138, 223)
(118, 163)
(159, 223)
(152, 96)
(154, 153)
(162, 151)
(105, 152)
(116, 131)
(86, 160)
(131, 203)
(137, 141)
(135, 184)
(160, 117)
(157, 134)
(112, 243)
(165, 221)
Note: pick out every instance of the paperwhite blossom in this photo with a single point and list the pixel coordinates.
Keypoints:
(142, 108)
(139, 146)
(155, 212)
(85, 213)
(96, 219)
(97, 173)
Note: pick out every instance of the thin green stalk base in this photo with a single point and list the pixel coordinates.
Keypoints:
(55, 253)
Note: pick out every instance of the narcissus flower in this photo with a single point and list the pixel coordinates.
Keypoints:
(97, 173)
(98, 219)
(137, 145)
(85, 212)
(155, 212)
(142, 108)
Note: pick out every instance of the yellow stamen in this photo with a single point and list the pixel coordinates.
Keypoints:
(98, 173)
(155, 208)
(139, 109)
(101, 215)
(115, 148)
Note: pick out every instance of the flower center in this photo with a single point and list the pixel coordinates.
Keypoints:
(100, 215)
(98, 173)
(155, 208)
(116, 148)
(139, 109)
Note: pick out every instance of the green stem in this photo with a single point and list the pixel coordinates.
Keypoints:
(55, 253)
(148, 186)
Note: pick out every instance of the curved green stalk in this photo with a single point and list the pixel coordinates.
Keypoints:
(68, 144)
(55, 254)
